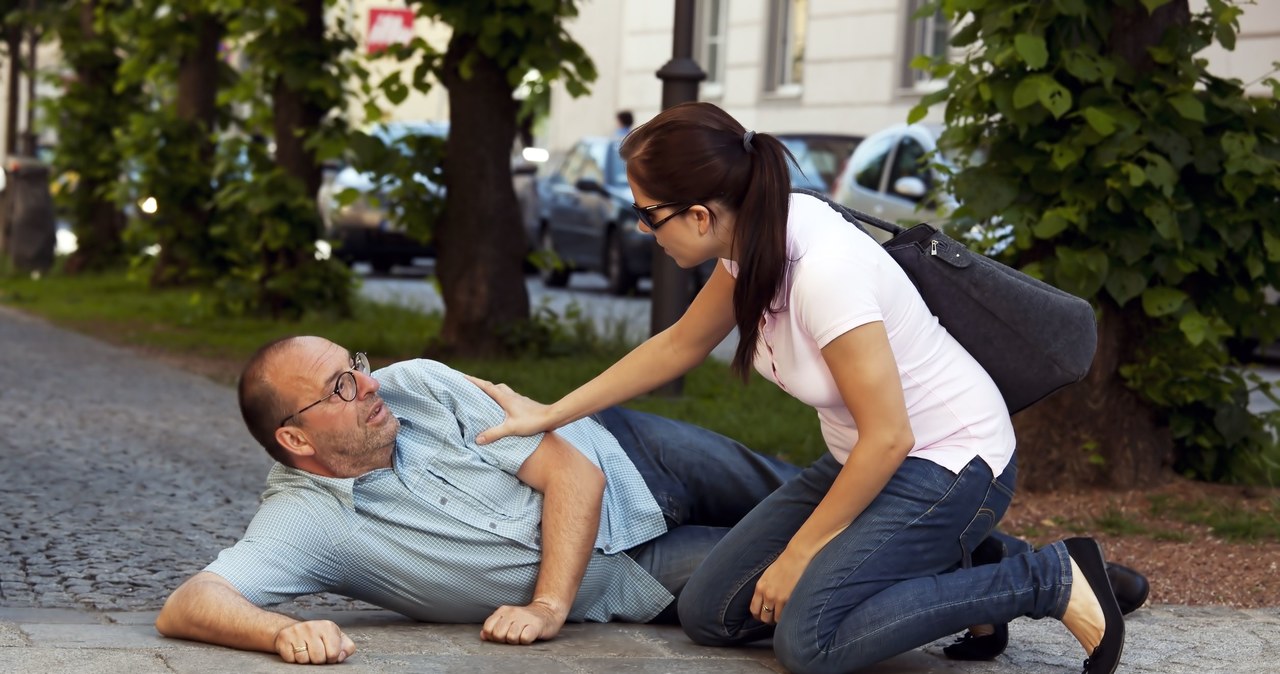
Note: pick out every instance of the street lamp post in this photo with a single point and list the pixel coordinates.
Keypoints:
(680, 77)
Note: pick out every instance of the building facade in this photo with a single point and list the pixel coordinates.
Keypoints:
(834, 66)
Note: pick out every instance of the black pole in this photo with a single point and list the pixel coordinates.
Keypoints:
(671, 284)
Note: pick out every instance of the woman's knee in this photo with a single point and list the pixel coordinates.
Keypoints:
(701, 622)
(801, 653)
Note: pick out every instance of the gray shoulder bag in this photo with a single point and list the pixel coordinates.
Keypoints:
(1031, 337)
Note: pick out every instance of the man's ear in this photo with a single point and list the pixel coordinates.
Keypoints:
(295, 441)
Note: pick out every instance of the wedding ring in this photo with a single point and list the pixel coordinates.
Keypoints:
(300, 649)
(767, 609)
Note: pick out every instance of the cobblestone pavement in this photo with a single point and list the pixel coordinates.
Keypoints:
(123, 476)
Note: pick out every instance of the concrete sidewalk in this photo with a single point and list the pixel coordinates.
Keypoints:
(123, 476)
(1161, 640)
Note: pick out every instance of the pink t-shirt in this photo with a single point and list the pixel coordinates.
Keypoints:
(839, 279)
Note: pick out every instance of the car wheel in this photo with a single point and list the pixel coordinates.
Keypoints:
(621, 280)
(553, 271)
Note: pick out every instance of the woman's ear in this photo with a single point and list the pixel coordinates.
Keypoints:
(702, 218)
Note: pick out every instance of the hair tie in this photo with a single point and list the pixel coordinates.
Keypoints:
(746, 140)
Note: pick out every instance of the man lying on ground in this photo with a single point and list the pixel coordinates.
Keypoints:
(380, 493)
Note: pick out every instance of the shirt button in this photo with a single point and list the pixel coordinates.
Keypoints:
(443, 500)
(493, 525)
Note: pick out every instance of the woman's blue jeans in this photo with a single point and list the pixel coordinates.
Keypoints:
(704, 484)
(897, 578)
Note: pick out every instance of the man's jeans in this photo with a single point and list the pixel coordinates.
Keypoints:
(892, 581)
(703, 482)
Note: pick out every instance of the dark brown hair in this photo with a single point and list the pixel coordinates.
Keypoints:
(696, 152)
(260, 402)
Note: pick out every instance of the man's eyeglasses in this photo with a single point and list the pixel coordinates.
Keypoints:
(346, 388)
(645, 213)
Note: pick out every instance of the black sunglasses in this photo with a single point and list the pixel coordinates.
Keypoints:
(645, 213)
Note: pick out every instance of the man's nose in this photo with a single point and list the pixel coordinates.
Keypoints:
(642, 228)
(366, 385)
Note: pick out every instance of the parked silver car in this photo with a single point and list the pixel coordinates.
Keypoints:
(889, 176)
(361, 225)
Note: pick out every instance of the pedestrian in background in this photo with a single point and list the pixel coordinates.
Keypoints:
(625, 120)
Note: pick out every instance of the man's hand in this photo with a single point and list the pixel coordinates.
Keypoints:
(523, 624)
(525, 417)
(314, 642)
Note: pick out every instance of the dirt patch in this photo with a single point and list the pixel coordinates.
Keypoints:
(1198, 543)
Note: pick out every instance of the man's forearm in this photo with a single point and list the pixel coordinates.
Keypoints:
(570, 522)
(572, 490)
(207, 608)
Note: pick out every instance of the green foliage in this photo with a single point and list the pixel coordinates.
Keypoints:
(229, 219)
(550, 334)
(1151, 182)
(416, 203)
(273, 263)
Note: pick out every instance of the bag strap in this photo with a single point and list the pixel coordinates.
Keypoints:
(852, 215)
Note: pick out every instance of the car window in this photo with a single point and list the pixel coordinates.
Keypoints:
(572, 168)
(592, 160)
(910, 161)
(869, 161)
(821, 158)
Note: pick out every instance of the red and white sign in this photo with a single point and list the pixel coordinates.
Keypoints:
(388, 27)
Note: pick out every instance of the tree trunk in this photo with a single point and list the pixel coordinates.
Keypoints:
(97, 221)
(29, 137)
(1098, 431)
(13, 42)
(185, 232)
(296, 116)
(479, 242)
(1134, 447)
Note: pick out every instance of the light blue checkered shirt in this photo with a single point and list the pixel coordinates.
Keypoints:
(448, 533)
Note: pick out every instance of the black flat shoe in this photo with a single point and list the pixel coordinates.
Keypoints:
(974, 647)
(1088, 556)
(1131, 588)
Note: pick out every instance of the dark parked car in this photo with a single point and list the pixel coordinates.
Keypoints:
(585, 219)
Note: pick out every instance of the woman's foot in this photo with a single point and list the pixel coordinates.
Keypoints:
(1092, 614)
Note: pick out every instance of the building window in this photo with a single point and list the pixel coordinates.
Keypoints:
(925, 36)
(787, 28)
(710, 49)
